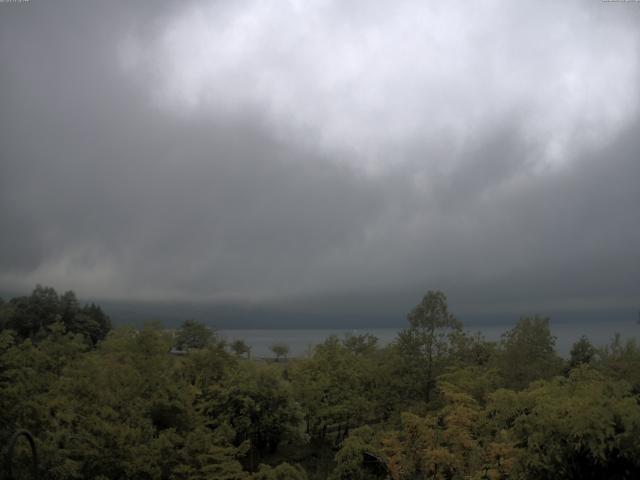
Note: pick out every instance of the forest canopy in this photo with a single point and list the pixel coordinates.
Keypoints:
(438, 402)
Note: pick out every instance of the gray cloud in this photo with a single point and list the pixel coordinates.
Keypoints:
(305, 154)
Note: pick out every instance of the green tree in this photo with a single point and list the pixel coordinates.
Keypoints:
(471, 350)
(359, 458)
(27, 370)
(585, 426)
(338, 390)
(280, 350)
(360, 344)
(477, 381)
(283, 471)
(30, 316)
(527, 353)
(192, 335)
(207, 367)
(92, 322)
(621, 360)
(257, 403)
(582, 351)
(126, 411)
(69, 308)
(426, 344)
(6, 314)
(239, 347)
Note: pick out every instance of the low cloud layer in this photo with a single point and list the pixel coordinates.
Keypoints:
(306, 153)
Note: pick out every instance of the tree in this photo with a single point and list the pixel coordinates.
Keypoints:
(31, 316)
(256, 403)
(451, 443)
(280, 350)
(340, 390)
(93, 323)
(239, 347)
(585, 426)
(359, 458)
(581, 352)
(427, 341)
(621, 360)
(527, 353)
(471, 350)
(360, 344)
(207, 367)
(284, 471)
(6, 314)
(69, 308)
(27, 370)
(193, 334)
(124, 410)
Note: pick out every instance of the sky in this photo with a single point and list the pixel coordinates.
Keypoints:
(323, 156)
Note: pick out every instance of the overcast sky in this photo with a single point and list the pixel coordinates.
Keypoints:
(323, 152)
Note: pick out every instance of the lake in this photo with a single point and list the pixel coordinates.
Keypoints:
(301, 341)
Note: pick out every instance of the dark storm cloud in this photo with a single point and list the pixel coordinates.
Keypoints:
(359, 156)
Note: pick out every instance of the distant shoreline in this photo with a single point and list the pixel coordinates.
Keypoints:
(301, 340)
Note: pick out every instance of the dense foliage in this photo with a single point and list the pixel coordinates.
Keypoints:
(437, 403)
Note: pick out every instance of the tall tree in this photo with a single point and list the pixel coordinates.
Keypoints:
(338, 390)
(527, 353)
(581, 352)
(427, 341)
(31, 314)
(621, 360)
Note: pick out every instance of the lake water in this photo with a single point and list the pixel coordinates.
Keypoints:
(301, 341)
